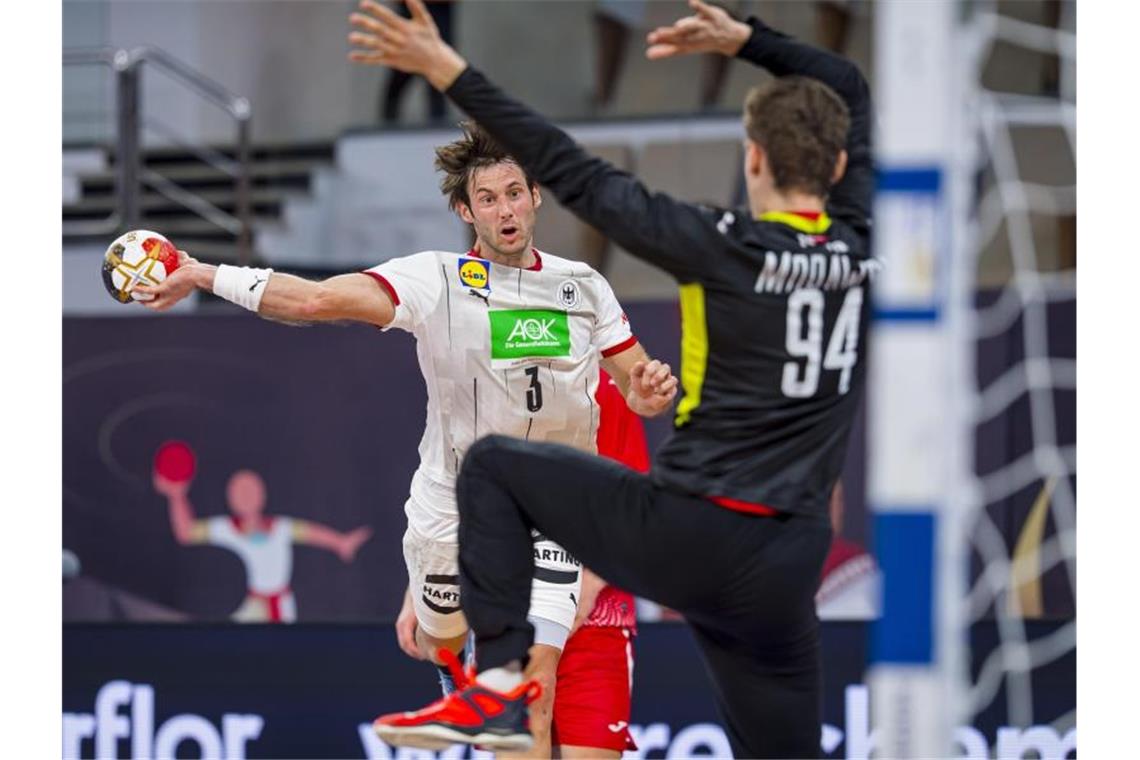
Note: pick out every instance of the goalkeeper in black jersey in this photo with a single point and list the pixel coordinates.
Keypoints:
(731, 526)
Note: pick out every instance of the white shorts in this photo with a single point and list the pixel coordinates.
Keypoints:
(433, 577)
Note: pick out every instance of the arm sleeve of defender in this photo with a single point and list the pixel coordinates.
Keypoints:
(850, 198)
(414, 284)
(621, 434)
(652, 226)
(612, 332)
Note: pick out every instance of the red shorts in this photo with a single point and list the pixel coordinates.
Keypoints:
(591, 699)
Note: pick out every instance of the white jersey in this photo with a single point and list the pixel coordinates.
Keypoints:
(267, 555)
(502, 350)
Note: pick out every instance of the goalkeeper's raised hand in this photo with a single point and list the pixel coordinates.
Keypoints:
(709, 30)
(410, 45)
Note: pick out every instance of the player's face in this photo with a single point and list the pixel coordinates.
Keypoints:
(503, 209)
(245, 493)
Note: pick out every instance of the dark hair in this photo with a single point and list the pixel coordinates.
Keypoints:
(802, 125)
(459, 160)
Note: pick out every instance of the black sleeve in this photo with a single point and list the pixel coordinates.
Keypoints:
(850, 199)
(651, 226)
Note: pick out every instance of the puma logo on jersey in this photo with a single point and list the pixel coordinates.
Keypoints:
(617, 727)
(725, 222)
(486, 298)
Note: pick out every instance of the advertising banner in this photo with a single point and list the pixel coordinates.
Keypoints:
(311, 691)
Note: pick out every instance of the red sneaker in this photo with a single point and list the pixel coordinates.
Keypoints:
(472, 715)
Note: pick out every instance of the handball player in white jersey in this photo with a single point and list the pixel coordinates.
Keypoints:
(509, 341)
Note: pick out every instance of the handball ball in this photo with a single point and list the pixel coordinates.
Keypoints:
(175, 461)
(137, 257)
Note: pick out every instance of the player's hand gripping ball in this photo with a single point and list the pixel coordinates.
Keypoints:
(137, 257)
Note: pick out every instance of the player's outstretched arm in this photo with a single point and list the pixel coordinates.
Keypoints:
(344, 545)
(648, 385)
(285, 297)
(712, 30)
(652, 226)
(709, 30)
(411, 45)
(187, 529)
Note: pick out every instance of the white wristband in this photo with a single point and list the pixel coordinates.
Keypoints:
(241, 285)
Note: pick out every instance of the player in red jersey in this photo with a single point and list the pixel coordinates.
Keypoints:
(595, 673)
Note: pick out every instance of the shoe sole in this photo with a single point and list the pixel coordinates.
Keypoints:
(437, 737)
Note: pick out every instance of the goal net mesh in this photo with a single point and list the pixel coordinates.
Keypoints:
(1019, 320)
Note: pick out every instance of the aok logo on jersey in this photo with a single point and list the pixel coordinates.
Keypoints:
(521, 333)
(475, 273)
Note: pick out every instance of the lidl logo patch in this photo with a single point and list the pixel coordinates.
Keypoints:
(520, 333)
(475, 273)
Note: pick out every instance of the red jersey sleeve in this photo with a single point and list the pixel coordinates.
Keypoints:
(621, 436)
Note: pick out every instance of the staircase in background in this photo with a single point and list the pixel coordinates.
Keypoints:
(278, 173)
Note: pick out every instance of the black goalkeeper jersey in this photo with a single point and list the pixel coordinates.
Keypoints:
(774, 310)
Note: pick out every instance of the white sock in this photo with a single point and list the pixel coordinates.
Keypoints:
(500, 679)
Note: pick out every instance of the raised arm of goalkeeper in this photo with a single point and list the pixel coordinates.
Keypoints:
(653, 226)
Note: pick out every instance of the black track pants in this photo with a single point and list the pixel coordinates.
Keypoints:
(745, 583)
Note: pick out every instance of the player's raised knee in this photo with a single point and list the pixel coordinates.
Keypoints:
(478, 466)
(483, 451)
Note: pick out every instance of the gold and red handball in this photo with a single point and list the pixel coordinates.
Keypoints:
(137, 257)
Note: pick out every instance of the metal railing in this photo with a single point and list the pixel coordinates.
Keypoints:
(132, 174)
